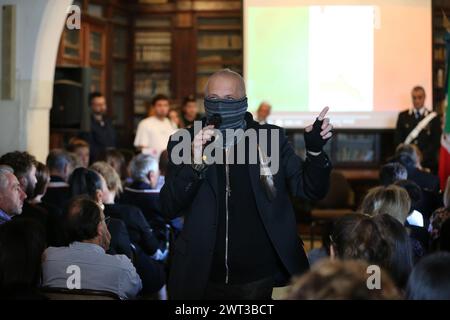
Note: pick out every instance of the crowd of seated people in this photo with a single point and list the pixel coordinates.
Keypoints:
(401, 226)
(77, 216)
(104, 217)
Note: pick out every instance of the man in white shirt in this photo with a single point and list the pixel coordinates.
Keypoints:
(84, 264)
(153, 132)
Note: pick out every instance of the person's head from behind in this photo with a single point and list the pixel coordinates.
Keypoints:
(22, 242)
(263, 111)
(392, 200)
(418, 97)
(401, 254)
(112, 180)
(81, 149)
(59, 163)
(341, 280)
(414, 192)
(357, 236)
(144, 168)
(98, 103)
(174, 117)
(160, 106)
(42, 178)
(408, 155)
(116, 159)
(24, 166)
(85, 222)
(11, 194)
(189, 108)
(392, 172)
(89, 183)
(430, 278)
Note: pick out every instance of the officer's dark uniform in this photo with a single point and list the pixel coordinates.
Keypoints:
(428, 140)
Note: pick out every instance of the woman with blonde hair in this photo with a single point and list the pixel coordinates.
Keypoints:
(148, 248)
(391, 200)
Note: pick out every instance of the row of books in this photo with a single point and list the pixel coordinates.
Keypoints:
(207, 42)
(152, 53)
(148, 86)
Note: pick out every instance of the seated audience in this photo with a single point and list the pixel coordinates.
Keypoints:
(394, 201)
(87, 182)
(408, 156)
(11, 194)
(89, 240)
(142, 192)
(341, 280)
(80, 148)
(392, 172)
(60, 165)
(42, 182)
(24, 166)
(438, 218)
(430, 278)
(141, 235)
(116, 159)
(416, 223)
(391, 200)
(379, 240)
(22, 243)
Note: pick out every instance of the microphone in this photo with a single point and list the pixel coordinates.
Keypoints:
(214, 120)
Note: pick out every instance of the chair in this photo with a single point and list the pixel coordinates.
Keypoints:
(77, 294)
(338, 202)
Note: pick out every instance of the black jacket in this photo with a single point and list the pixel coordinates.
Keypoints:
(58, 193)
(138, 228)
(428, 140)
(192, 195)
(120, 240)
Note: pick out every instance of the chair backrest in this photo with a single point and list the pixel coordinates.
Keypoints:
(78, 294)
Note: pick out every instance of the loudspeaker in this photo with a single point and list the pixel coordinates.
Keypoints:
(70, 107)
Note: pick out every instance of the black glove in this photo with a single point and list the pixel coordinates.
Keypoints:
(313, 139)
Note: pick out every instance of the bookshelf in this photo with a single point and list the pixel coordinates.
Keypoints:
(219, 45)
(152, 61)
(439, 51)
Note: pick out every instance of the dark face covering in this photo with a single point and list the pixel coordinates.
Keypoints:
(230, 112)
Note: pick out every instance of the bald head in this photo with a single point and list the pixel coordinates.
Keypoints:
(225, 84)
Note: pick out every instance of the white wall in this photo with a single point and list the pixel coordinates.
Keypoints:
(24, 121)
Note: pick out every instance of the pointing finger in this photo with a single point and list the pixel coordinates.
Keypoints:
(323, 113)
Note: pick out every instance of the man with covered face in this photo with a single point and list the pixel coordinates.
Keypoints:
(239, 239)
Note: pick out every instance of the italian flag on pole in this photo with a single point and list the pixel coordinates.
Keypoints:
(444, 157)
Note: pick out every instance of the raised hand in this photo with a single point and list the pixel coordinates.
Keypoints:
(317, 134)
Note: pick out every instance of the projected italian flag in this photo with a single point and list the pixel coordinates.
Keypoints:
(328, 61)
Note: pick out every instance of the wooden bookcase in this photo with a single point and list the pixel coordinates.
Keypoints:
(219, 45)
(439, 51)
